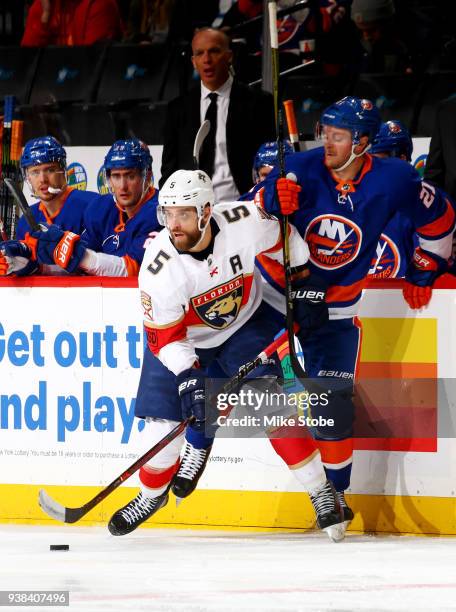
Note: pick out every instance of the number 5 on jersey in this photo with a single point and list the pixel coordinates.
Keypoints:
(157, 264)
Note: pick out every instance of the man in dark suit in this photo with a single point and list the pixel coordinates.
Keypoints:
(241, 120)
(441, 161)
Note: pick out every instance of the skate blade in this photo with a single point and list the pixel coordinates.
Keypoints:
(336, 532)
(179, 500)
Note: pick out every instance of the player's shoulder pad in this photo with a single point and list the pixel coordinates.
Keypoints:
(161, 266)
(242, 213)
(83, 195)
(305, 163)
(395, 169)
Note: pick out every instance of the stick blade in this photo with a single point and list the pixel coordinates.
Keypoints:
(51, 507)
(57, 511)
(199, 139)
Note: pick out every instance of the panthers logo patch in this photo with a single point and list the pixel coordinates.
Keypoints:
(220, 306)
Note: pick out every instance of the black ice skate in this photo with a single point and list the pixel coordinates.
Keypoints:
(192, 466)
(347, 511)
(329, 512)
(136, 512)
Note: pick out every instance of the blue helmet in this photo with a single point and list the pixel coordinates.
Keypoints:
(393, 138)
(128, 154)
(267, 155)
(360, 116)
(43, 150)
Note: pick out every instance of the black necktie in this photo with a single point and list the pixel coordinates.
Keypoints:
(207, 155)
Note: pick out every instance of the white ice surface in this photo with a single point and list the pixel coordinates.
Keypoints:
(171, 569)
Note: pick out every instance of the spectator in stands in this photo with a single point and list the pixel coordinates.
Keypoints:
(241, 120)
(441, 161)
(11, 21)
(303, 34)
(148, 21)
(71, 22)
(382, 49)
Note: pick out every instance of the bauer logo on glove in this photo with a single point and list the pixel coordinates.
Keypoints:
(55, 246)
(64, 250)
(309, 294)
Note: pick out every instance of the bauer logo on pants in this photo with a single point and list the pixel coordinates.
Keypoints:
(333, 240)
(220, 306)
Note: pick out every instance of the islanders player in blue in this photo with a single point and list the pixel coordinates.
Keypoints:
(398, 240)
(117, 226)
(341, 200)
(43, 165)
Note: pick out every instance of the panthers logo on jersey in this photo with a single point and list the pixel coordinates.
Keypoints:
(334, 241)
(220, 306)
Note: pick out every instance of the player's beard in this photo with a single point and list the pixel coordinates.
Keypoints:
(187, 241)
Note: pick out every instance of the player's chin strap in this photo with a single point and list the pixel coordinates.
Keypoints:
(202, 228)
(352, 157)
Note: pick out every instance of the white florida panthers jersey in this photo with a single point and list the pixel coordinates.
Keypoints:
(193, 302)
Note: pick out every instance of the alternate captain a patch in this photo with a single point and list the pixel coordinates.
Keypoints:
(220, 306)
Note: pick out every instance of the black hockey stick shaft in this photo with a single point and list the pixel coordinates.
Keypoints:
(72, 515)
(284, 224)
(19, 197)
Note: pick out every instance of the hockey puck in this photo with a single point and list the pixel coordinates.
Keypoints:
(59, 547)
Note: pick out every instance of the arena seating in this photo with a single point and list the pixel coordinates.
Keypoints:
(66, 74)
(91, 95)
(17, 71)
(397, 96)
(311, 94)
(440, 86)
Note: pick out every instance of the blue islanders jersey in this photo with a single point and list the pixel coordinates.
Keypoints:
(394, 249)
(70, 216)
(342, 221)
(109, 230)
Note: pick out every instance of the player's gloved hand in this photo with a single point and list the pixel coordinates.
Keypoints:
(279, 197)
(309, 304)
(191, 388)
(54, 246)
(16, 258)
(421, 275)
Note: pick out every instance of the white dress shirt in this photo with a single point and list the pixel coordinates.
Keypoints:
(224, 186)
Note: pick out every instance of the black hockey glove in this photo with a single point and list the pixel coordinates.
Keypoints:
(192, 392)
(309, 305)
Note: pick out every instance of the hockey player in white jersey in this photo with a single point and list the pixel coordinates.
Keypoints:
(201, 295)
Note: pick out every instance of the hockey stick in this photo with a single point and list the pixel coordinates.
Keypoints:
(291, 123)
(17, 194)
(72, 515)
(199, 139)
(3, 233)
(284, 225)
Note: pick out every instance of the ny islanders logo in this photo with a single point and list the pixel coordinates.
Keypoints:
(220, 306)
(333, 240)
(387, 259)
